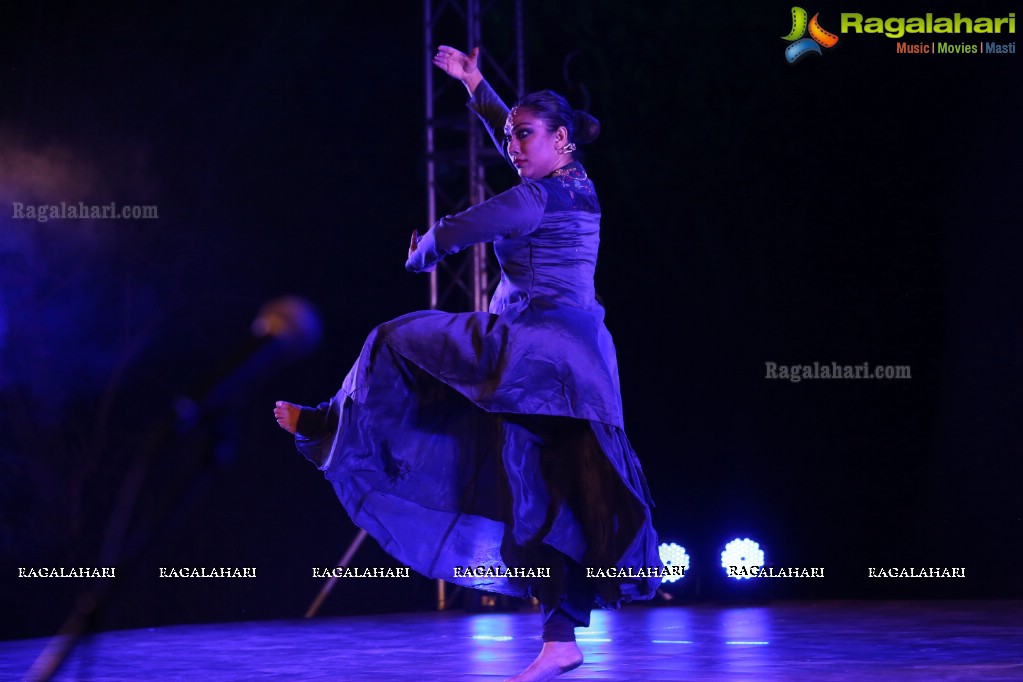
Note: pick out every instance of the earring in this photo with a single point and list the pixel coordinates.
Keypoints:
(568, 148)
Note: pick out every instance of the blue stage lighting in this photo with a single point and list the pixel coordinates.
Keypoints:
(740, 556)
(673, 555)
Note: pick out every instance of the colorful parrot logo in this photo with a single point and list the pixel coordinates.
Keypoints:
(803, 46)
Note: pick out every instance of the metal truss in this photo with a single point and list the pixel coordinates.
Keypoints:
(458, 152)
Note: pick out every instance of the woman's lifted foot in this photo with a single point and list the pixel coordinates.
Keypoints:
(555, 658)
(286, 415)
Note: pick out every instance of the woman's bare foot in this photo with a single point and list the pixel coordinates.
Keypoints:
(286, 415)
(555, 658)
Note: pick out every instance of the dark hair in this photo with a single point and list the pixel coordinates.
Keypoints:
(554, 111)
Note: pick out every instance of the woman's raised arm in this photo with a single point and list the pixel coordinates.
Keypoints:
(483, 100)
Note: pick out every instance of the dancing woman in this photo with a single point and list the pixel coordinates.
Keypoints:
(489, 449)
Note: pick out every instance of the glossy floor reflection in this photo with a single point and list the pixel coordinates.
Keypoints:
(794, 641)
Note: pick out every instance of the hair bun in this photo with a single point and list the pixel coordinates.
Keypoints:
(555, 111)
(586, 127)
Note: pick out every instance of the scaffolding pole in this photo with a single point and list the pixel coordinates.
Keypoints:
(457, 155)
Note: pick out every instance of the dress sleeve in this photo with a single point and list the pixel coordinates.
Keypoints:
(514, 213)
(493, 112)
(314, 435)
(312, 420)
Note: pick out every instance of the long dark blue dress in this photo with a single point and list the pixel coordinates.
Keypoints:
(496, 439)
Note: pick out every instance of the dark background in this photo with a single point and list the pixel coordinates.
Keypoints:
(858, 206)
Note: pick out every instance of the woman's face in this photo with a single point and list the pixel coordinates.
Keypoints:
(531, 147)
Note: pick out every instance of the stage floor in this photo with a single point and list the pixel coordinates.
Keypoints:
(791, 641)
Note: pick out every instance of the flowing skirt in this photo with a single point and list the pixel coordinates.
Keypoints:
(481, 448)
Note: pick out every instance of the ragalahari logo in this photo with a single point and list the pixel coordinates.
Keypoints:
(801, 46)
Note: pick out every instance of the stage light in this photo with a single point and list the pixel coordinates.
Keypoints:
(673, 555)
(740, 556)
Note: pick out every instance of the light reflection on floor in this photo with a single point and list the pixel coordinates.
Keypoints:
(795, 642)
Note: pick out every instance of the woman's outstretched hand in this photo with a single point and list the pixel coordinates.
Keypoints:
(287, 415)
(459, 65)
(414, 244)
(412, 249)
